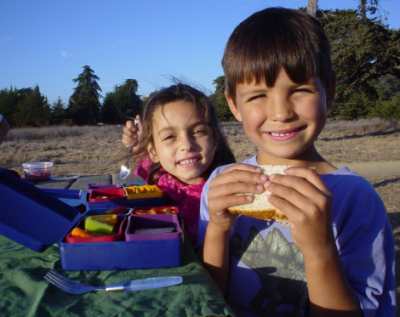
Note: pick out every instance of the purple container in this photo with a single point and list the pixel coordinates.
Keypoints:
(152, 227)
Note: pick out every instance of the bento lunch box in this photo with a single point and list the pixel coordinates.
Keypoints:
(37, 218)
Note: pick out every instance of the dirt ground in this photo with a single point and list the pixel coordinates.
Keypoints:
(370, 147)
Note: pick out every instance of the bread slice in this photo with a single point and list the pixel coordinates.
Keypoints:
(260, 207)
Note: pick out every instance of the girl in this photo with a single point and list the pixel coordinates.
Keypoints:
(177, 145)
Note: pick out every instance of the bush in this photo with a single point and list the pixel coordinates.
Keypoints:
(387, 109)
(357, 106)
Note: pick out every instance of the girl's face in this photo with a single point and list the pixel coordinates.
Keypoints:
(182, 141)
(283, 121)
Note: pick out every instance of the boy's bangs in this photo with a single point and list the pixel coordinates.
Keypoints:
(264, 62)
(273, 39)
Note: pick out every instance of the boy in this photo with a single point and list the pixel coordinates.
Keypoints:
(336, 256)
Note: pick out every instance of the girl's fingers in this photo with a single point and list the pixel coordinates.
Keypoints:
(128, 139)
(130, 134)
(138, 125)
(130, 128)
(129, 124)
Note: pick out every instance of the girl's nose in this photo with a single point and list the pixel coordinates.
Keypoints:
(186, 143)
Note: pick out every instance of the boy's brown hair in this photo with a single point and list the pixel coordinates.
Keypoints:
(274, 38)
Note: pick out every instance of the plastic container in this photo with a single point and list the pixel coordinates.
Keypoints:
(151, 241)
(37, 171)
(37, 219)
(31, 216)
(102, 198)
(90, 238)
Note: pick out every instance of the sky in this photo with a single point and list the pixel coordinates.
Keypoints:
(47, 42)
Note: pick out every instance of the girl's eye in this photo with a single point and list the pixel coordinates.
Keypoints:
(259, 96)
(200, 132)
(168, 137)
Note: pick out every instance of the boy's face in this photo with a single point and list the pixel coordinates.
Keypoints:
(283, 121)
(182, 142)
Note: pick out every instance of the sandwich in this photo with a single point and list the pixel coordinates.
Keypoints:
(260, 207)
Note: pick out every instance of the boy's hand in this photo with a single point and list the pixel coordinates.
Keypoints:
(234, 186)
(306, 201)
(131, 133)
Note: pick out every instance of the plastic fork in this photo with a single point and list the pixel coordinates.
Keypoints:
(73, 287)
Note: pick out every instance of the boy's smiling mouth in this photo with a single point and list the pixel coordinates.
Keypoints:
(284, 135)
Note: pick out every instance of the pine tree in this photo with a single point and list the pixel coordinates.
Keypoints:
(122, 103)
(84, 104)
(32, 108)
(58, 112)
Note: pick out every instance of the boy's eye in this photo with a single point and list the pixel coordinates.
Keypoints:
(304, 89)
(259, 96)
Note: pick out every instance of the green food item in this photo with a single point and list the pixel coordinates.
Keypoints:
(100, 224)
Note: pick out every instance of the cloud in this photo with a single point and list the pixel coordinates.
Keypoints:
(65, 54)
(6, 38)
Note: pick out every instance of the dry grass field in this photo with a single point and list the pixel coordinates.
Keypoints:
(370, 147)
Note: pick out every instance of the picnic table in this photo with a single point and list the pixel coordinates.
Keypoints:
(25, 293)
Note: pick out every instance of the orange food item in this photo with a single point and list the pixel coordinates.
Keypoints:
(169, 210)
(78, 232)
(143, 191)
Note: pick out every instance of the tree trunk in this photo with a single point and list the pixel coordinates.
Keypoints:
(312, 7)
(363, 9)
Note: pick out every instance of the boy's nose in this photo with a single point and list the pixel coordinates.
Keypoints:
(280, 110)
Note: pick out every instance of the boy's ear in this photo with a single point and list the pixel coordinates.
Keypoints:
(232, 107)
(152, 153)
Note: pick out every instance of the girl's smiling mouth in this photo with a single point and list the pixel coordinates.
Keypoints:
(188, 162)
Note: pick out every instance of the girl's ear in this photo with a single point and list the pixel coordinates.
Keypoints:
(152, 153)
(233, 107)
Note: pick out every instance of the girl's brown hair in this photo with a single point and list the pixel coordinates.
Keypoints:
(223, 154)
(274, 38)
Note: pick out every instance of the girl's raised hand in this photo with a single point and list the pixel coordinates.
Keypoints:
(131, 133)
(306, 201)
(234, 186)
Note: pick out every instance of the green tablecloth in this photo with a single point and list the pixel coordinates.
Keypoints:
(24, 292)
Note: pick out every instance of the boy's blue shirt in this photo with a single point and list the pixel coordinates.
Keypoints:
(267, 269)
